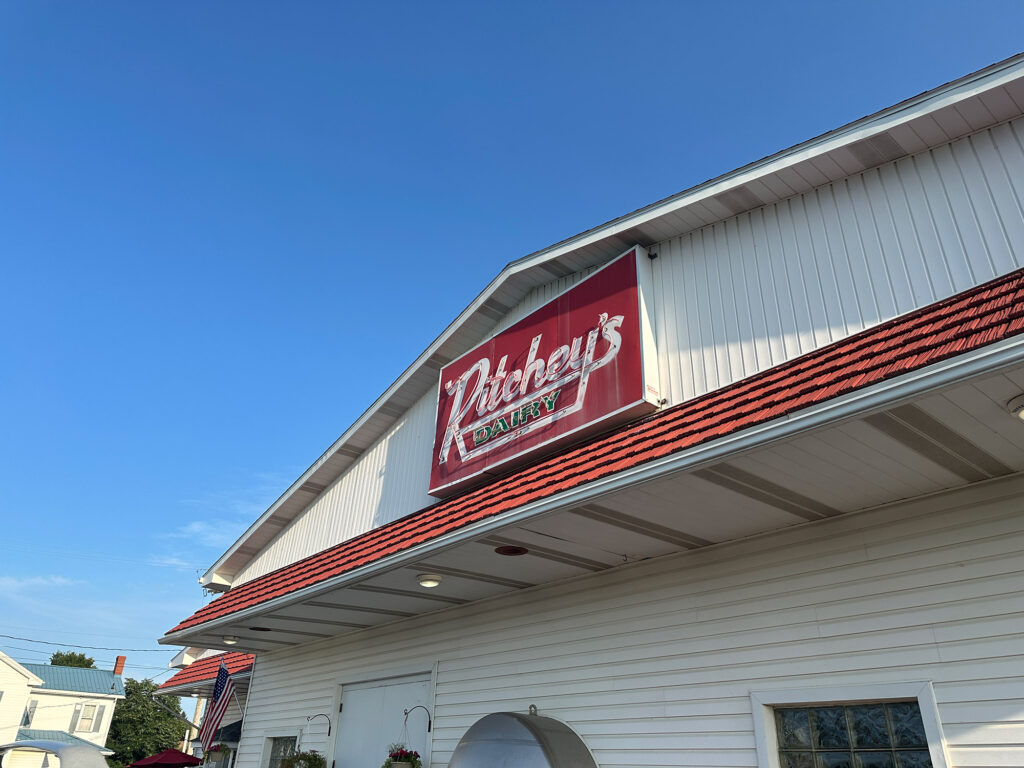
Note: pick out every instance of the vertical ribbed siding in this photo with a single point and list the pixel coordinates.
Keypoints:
(652, 664)
(766, 286)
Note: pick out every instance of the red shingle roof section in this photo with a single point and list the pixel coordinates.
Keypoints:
(205, 670)
(967, 321)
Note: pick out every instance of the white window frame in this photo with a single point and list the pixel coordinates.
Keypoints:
(91, 719)
(268, 739)
(764, 702)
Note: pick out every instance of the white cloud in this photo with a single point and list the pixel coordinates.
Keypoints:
(11, 584)
(169, 561)
(228, 513)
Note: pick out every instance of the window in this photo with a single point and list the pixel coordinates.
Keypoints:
(280, 748)
(86, 718)
(219, 759)
(882, 735)
(885, 725)
(30, 710)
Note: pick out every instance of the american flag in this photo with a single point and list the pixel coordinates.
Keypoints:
(222, 692)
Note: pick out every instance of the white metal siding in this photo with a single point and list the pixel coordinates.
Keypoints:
(388, 481)
(13, 698)
(653, 663)
(763, 287)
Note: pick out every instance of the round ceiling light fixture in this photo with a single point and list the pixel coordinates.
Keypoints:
(230, 639)
(1016, 407)
(510, 550)
(429, 580)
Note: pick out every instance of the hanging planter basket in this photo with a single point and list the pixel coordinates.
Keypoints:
(400, 757)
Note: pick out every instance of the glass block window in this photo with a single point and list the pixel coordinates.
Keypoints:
(883, 735)
(280, 748)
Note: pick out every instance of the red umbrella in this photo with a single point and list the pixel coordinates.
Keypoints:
(169, 758)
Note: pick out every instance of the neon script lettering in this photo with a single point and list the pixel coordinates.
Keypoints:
(493, 408)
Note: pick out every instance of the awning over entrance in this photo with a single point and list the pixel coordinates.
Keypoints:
(910, 407)
(523, 741)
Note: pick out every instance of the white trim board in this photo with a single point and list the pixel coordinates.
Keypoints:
(762, 703)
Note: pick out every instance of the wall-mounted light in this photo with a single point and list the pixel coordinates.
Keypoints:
(429, 580)
(1016, 407)
(230, 639)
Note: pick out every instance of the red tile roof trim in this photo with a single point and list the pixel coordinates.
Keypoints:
(980, 316)
(205, 670)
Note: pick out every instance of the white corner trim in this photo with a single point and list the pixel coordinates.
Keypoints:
(280, 733)
(762, 701)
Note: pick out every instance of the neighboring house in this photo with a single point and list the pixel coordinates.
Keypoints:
(16, 682)
(67, 704)
(798, 542)
(196, 679)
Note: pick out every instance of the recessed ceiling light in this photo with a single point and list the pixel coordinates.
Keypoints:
(1016, 407)
(230, 639)
(509, 550)
(429, 580)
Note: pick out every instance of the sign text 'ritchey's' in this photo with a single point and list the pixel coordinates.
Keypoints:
(581, 363)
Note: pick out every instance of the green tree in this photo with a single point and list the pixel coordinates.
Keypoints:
(72, 659)
(140, 728)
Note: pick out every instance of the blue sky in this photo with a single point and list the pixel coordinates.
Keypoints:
(225, 228)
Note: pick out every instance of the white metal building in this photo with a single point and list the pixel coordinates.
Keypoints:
(810, 554)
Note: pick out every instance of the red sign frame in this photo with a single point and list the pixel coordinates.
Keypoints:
(580, 363)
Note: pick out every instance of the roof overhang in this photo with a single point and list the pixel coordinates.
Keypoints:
(204, 688)
(968, 105)
(744, 482)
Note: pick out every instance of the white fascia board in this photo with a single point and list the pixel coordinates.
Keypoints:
(885, 394)
(933, 100)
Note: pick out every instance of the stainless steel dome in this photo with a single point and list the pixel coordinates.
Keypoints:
(511, 740)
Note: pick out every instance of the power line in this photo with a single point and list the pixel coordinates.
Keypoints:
(89, 647)
(46, 654)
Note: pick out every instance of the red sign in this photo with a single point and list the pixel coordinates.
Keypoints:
(572, 367)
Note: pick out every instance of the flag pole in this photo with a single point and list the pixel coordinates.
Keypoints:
(178, 715)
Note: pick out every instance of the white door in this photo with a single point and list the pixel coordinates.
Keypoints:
(371, 719)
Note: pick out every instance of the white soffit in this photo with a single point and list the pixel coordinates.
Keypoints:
(973, 103)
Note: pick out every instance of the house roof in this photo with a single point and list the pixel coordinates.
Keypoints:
(962, 323)
(962, 107)
(205, 670)
(63, 737)
(99, 682)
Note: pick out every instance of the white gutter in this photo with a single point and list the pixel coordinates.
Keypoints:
(885, 394)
